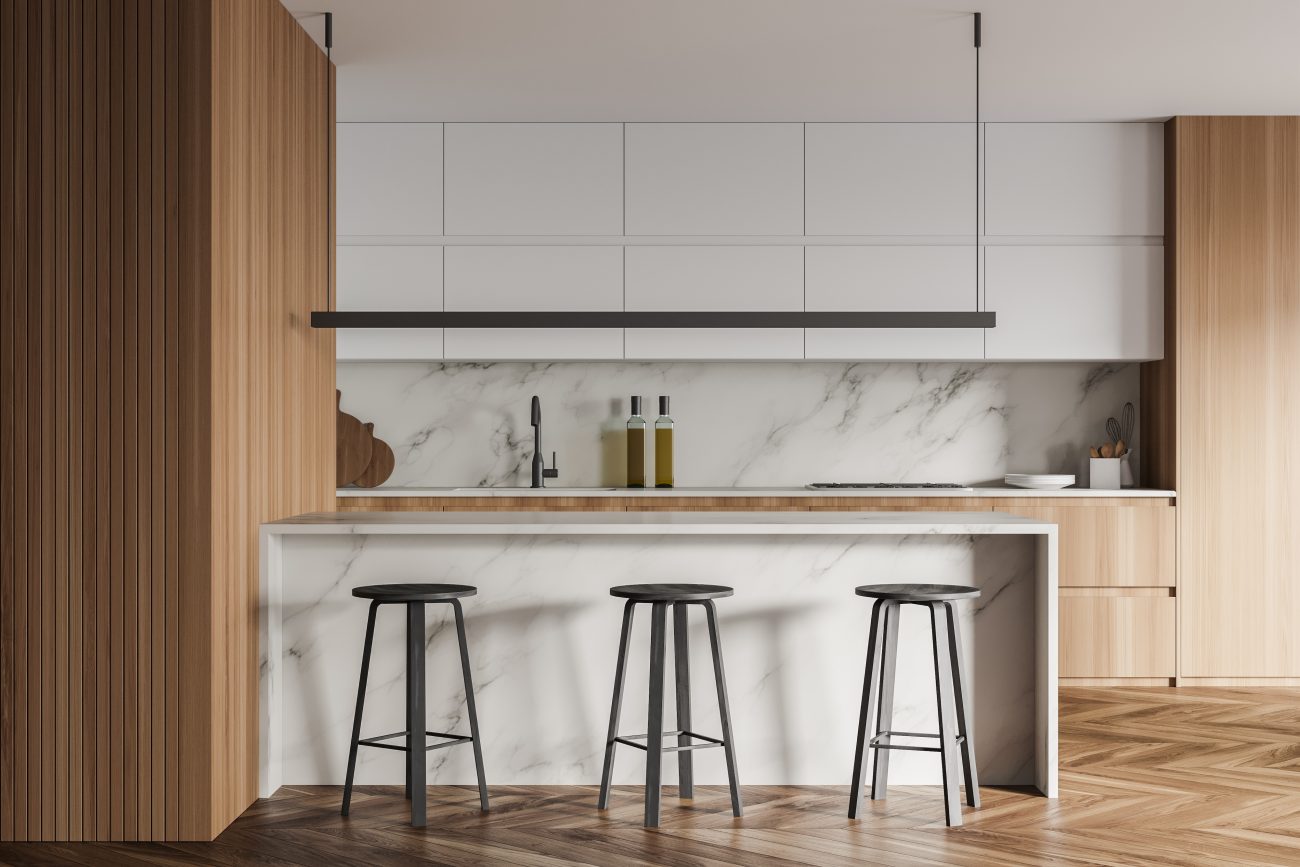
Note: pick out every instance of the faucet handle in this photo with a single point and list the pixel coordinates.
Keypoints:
(552, 472)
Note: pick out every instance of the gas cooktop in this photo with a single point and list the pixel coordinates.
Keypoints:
(893, 485)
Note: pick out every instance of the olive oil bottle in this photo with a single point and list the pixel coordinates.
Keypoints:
(636, 446)
(663, 446)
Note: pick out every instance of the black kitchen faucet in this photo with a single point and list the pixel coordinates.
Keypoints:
(540, 472)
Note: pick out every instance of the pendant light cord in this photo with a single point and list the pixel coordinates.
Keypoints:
(979, 172)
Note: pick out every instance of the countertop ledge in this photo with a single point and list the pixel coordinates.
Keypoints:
(649, 523)
(561, 491)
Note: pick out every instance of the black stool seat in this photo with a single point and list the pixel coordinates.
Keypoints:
(670, 592)
(414, 592)
(917, 592)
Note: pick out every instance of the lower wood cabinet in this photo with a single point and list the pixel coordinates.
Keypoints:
(1113, 635)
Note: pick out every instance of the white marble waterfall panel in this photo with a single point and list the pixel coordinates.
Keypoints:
(738, 424)
(543, 635)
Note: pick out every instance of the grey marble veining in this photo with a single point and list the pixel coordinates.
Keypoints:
(741, 424)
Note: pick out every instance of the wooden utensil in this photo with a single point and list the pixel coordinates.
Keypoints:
(1120, 449)
(1108, 450)
(381, 464)
(354, 448)
(1093, 452)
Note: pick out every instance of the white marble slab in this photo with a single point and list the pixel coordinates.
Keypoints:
(742, 424)
(543, 634)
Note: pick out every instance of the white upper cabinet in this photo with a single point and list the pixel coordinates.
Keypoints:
(714, 178)
(891, 179)
(534, 278)
(1078, 179)
(389, 178)
(388, 278)
(1087, 303)
(709, 278)
(534, 179)
(893, 278)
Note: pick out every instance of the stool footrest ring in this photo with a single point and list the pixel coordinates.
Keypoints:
(450, 741)
(876, 742)
(710, 742)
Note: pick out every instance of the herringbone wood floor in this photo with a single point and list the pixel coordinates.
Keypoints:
(1150, 776)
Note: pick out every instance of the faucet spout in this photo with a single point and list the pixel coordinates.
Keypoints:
(540, 471)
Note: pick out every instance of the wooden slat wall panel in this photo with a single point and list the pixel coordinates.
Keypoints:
(273, 414)
(164, 230)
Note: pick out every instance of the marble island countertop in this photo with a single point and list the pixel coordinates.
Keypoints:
(562, 491)
(675, 523)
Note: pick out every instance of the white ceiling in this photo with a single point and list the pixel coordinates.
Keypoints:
(805, 60)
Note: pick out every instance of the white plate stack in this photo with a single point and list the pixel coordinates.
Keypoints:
(1038, 481)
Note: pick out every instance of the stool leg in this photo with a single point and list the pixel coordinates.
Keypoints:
(469, 705)
(867, 715)
(655, 726)
(415, 737)
(616, 706)
(682, 664)
(724, 709)
(888, 665)
(361, 700)
(964, 726)
(947, 713)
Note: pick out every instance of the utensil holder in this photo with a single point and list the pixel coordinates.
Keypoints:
(1104, 473)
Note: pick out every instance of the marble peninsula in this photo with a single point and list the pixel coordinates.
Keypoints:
(543, 635)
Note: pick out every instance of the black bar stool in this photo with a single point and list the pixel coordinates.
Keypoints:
(878, 693)
(660, 596)
(415, 597)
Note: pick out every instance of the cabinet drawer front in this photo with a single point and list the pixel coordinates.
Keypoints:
(1112, 546)
(1117, 636)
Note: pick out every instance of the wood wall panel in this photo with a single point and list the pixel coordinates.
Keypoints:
(1234, 398)
(165, 229)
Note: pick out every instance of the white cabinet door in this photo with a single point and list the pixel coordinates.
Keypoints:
(1074, 179)
(534, 179)
(388, 278)
(706, 278)
(560, 278)
(1093, 303)
(714, 178)
(389, 178)
(893, 278)
(890, 178)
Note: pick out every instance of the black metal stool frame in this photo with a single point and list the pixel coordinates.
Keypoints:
(415, 734)
(653, 745)
(955, 726)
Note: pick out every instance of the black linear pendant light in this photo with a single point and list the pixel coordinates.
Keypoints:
(686, 319)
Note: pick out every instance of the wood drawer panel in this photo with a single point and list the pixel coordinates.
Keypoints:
(1117, 636)
(1112, 546)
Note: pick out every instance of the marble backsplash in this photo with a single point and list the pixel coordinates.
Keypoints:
(741, 424)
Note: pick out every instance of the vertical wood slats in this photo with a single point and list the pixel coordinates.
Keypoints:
(161, 396)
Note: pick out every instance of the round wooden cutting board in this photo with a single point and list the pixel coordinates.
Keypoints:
(381, 465)
(356, 445)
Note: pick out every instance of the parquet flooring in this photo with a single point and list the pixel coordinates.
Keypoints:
(1191, 776)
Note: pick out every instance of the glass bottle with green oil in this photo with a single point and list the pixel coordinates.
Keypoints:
(663, 446)
(636, 446)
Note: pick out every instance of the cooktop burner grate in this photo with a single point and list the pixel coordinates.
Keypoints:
(951, 485)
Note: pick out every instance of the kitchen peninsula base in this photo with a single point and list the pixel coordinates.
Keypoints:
(543, 633)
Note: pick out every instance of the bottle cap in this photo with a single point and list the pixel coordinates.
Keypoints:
(636, 404)
(663, 404)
